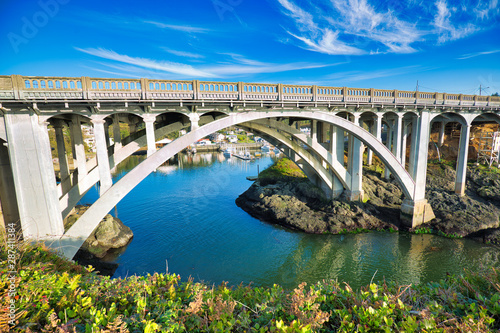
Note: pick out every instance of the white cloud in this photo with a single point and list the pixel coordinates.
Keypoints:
(239, 66)
(328, 44)
(445, 29)
(372, 27)
(347, 19)
(472, 55)
(164, 66)
(485, 10)
(183, 53)
(361, 76)
(183, 28)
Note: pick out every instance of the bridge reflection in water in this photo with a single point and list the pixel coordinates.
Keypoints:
(203, 233)
(154, 108)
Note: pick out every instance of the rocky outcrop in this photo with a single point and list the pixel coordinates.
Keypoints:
(462, 216)
(111, 234)
(298, 204)
(302, 206)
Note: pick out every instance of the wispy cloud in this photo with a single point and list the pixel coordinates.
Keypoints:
(237, 66)
(329, 32)
(486, 9)
(183, 53)
(183, 28)
(361, 76)
(445, 29)
(477, 54)
(352, 27)
(165, 66)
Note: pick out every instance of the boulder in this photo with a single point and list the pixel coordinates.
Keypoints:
(111, 233)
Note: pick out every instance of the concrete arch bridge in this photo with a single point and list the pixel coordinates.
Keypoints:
(34, 109)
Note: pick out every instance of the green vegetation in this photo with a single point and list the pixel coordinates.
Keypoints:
(243, 138)
(283, 169)
(53, 295)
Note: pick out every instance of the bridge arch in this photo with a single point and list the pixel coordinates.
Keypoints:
(71, 241)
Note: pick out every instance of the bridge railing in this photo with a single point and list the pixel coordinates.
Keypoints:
(17, 87)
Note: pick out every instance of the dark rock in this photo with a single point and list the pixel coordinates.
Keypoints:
(300, 205)
(110, 234)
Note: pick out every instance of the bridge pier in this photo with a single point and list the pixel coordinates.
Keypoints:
(463, 151)
(117, 136)
(102, 155)
(62, 156)
(337, 151)
(355, 165)
(418, 211)
(149, 120)
(78, 149)
(33, 175)
(8, 198)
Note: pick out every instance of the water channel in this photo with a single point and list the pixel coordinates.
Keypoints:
(184, 217)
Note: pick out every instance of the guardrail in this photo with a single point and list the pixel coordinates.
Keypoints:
(17, 87)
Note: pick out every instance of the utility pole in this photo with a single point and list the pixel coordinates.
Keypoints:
(481, 88)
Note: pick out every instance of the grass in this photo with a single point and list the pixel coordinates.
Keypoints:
(282, 170)
(54, 295)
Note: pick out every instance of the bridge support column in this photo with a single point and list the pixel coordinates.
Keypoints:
(337, 151)
(33, 174)
(149, 120)
(355, 166)
(8, 198)
(102, 155)
(106, 134)
(463, 151)
(417, 211)
(413, 147)
(403, 144)
(441, 134)
(62, 156)
(194, 118)
(314, 130)
(78, 149)
(396, 148)
(388, 144)
(376, 129)
(117, 136)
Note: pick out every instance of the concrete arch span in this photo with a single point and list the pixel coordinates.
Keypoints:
(69, 200)
(338, 169)
(306, 156)
(71, 241)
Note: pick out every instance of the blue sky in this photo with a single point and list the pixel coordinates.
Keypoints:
(451, 46)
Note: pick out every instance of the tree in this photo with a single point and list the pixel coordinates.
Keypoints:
(495, 94)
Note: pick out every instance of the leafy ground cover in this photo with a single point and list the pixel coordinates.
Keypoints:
(54, 295)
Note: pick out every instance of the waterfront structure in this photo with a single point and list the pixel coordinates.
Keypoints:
(30, 195)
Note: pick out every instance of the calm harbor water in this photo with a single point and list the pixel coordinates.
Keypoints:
(184, 216)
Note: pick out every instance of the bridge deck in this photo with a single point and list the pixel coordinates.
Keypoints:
(63, 89)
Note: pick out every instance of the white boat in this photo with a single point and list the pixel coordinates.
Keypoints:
(228, 152)
(265, 148)
(276, 150)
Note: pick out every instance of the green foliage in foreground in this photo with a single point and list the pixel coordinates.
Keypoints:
(53, 295)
